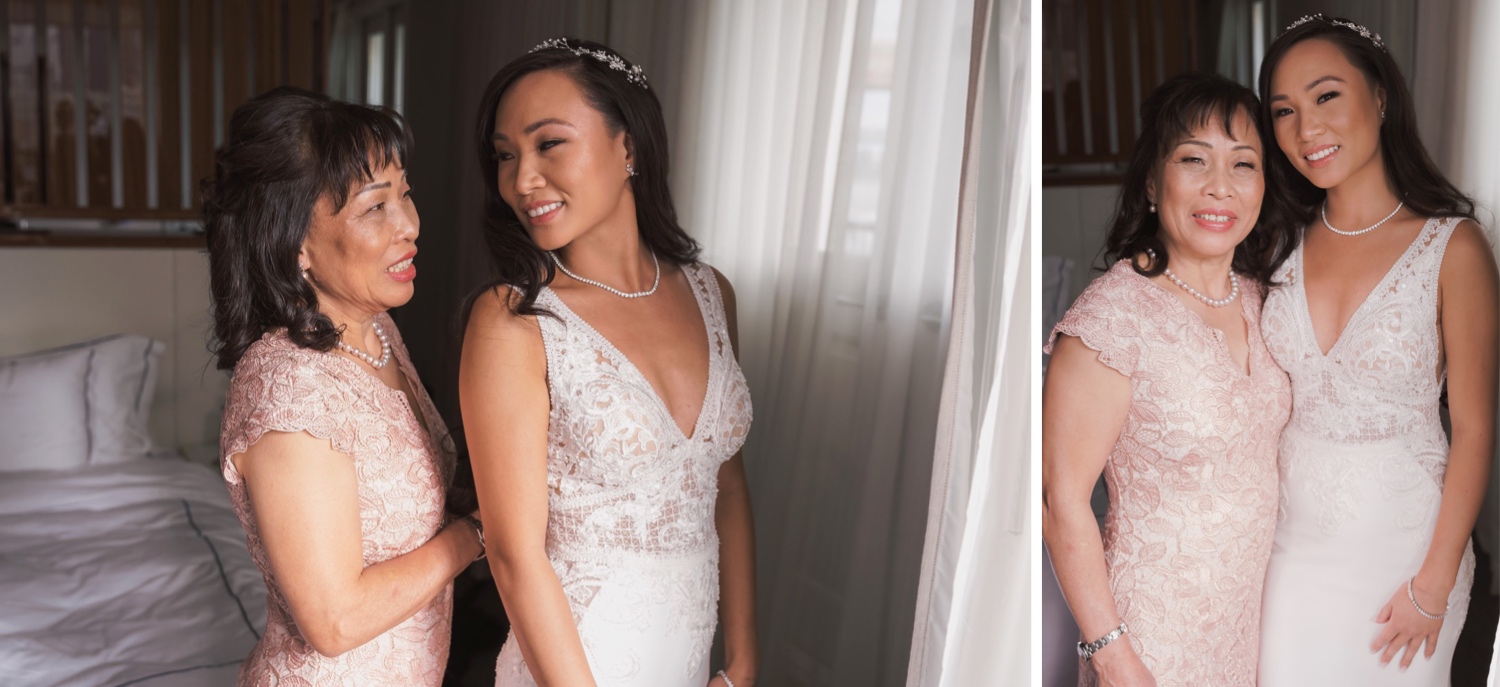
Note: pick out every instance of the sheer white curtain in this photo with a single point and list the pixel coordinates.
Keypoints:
(973, 625)
(817, 156)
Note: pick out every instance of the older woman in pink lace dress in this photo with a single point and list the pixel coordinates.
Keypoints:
(336, 461)
(1160, 380)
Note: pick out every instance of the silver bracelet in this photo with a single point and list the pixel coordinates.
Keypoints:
(726, 679)
(479, 532)
(1087, 651)
(1412, 595)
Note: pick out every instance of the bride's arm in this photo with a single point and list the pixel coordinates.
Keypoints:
(736, 527)
(502, 388)
(1468, 305)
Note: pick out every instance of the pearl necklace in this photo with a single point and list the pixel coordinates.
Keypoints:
(1234, 290)
(611, 289)
(1324, 212)
(1234, 287)
(385, 347)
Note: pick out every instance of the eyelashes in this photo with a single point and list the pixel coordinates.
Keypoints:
(1284, 111)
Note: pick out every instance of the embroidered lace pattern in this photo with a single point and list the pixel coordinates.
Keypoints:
(1192, 478)
(403, 469)
(631, 503)
(1378, 386)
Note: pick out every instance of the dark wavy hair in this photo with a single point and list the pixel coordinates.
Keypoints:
(625, 106)
(1179, 106)
(1418, 182)
(285, 149)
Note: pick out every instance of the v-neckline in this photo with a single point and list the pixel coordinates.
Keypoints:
(413, 403)
(1221, 337)
(1312, 329)
(625, 362)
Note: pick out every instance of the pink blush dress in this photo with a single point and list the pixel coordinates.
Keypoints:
(1192, 479)
(403, 463)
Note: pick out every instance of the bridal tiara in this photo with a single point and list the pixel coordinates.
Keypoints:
(1366, 33)
(633, 72)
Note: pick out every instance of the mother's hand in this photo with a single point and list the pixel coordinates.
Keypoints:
(1405, 627)
(1117, 665)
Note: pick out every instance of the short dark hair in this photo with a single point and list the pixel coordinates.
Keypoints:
(285, 149)
(1418, 181)
(626, 106)
(1177, 108)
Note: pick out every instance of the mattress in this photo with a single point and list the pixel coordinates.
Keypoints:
(133, 573)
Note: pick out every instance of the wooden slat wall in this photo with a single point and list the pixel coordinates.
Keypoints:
(154, 76)
(1100, 59)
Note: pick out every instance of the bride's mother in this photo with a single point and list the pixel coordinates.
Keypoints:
(1160, 380)
(336, 460)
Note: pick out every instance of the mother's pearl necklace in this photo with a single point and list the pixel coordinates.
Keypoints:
(385, 348)
(1234, 287)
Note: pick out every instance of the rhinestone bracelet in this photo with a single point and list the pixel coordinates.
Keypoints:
(1087, 651)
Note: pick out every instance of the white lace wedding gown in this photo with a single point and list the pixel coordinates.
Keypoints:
(1362, 463)
(630, 527)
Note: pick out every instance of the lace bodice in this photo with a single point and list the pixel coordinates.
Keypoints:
(623, 477)
(1378, 386)
(1381, 379)
(403, 468)
(1192, 478)
(630, 522)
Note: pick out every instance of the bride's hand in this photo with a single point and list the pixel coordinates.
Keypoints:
(1404, 627)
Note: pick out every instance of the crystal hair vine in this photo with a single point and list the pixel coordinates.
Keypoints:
(1362, 31)
(633, 72)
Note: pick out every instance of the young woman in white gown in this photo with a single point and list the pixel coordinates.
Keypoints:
(1390, 297)
(603, 406)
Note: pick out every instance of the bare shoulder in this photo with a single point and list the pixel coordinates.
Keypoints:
(494, 314)
(725, 287)
(1470, 257)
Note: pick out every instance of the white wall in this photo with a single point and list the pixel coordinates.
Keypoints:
(55, 296)
(1074, 220)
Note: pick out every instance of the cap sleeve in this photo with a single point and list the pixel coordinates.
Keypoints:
(283, 389)
(1106, 318)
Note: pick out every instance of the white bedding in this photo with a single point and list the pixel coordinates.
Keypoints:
(133, 573)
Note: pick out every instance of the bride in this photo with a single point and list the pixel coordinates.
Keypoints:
(1390, 297)
(603, 404)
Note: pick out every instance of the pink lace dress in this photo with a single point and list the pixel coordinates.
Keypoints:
(630, 508)
(403, 468)
(1192, 478)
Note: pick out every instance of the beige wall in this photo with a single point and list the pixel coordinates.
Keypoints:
(1074, 220)
(54, 296)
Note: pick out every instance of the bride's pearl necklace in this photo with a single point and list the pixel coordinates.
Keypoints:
(607, 287)
(385, 349)
(1324, 212)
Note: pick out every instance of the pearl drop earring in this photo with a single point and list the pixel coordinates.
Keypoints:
(1153, 207)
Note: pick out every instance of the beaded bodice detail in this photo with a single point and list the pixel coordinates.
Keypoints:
(1381, 379)
(1378, 386)
(630, 512)
(622, 475)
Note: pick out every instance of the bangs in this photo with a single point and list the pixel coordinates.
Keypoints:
(349, 143)
(1195, 108)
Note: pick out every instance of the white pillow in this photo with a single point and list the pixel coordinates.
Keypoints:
(121, 384)
(44, 410)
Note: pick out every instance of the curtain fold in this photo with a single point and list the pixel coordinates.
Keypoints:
(973, 617)
(818, 151)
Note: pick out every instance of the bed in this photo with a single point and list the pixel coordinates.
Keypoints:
(120, 564)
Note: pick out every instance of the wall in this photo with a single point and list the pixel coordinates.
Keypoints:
(1074, 220)
(55, 296)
